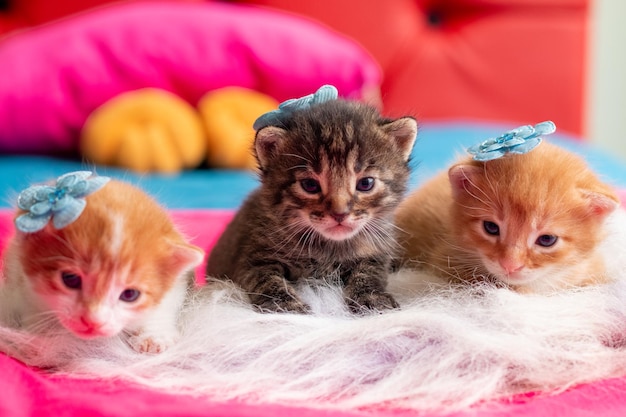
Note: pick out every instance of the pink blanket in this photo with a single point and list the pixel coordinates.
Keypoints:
(30, 392)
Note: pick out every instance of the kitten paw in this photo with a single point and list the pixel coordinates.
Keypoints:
(276, 295)
(284, 306)
(151, 344)
(370, 302)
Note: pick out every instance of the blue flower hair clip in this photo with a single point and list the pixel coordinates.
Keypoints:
(62, 203)
(288, 107)
(521, 140)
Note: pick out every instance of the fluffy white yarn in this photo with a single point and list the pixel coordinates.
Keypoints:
(446, 349)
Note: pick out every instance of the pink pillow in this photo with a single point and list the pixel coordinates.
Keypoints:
(55, 75)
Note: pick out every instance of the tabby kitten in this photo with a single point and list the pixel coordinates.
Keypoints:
(534, 222)
(121, 267)
(331, 176)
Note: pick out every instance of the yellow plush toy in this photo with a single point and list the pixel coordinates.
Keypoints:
(228, 114)
(154, 130)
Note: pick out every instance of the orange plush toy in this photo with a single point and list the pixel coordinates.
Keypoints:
(154, 130)
(228, 114)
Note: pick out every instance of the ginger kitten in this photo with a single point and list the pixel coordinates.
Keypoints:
(119, 267)
(331, 175)
(532, 221)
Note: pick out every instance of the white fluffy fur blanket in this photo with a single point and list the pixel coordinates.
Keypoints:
(446, 348)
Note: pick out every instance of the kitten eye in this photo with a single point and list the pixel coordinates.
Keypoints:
(365, 184)
(491, 228)
(129, 295)
(310, 185)
(72, 280)
(546, 240)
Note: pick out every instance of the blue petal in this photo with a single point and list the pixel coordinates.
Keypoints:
(291, 104)
(286, 103)
(475, 148)
(325, 93)
(481, 146)
(488, 156)
(60, 203)
(527, 146)
(78, 188)
(43, 194)
(272, 118)
(69, 213)
(524, 131)
(545, 128)
(296, 104)
(288, 107)
(33, 195)
(28, 223)
(493, 147)
(91, 185)
(513, 142)
(505, 137)
(71, 178)
(41, 208)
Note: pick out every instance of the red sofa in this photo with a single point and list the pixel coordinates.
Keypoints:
(516, 61)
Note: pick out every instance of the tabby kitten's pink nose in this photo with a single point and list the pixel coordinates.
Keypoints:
(339, 217)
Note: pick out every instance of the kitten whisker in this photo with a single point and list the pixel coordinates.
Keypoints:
(43, 322)
(481, 209)
(316, 241)
(486, 202)
(369, 237)
(298, 156)
(485, 194)
(292, 228)
(298, 167)
(381, 237)
(493, 188)
(305, 241)
(391, 224)
(288, 234)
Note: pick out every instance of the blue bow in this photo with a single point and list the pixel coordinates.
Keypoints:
(521, 140)
(62, 203)
(288, 107)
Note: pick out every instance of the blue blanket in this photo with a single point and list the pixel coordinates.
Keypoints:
(438, 145)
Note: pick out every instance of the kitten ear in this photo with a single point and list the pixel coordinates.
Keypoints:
(404, 131)
(462, 178)
(267, 142)
(601, 203)
(184, 257)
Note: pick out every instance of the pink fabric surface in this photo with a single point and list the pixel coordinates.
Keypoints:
(27, 392)
(60, 72)
(30, 392)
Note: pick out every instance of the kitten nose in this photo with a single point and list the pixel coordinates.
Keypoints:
(90, 323)
(339, 217)
(510, 266)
